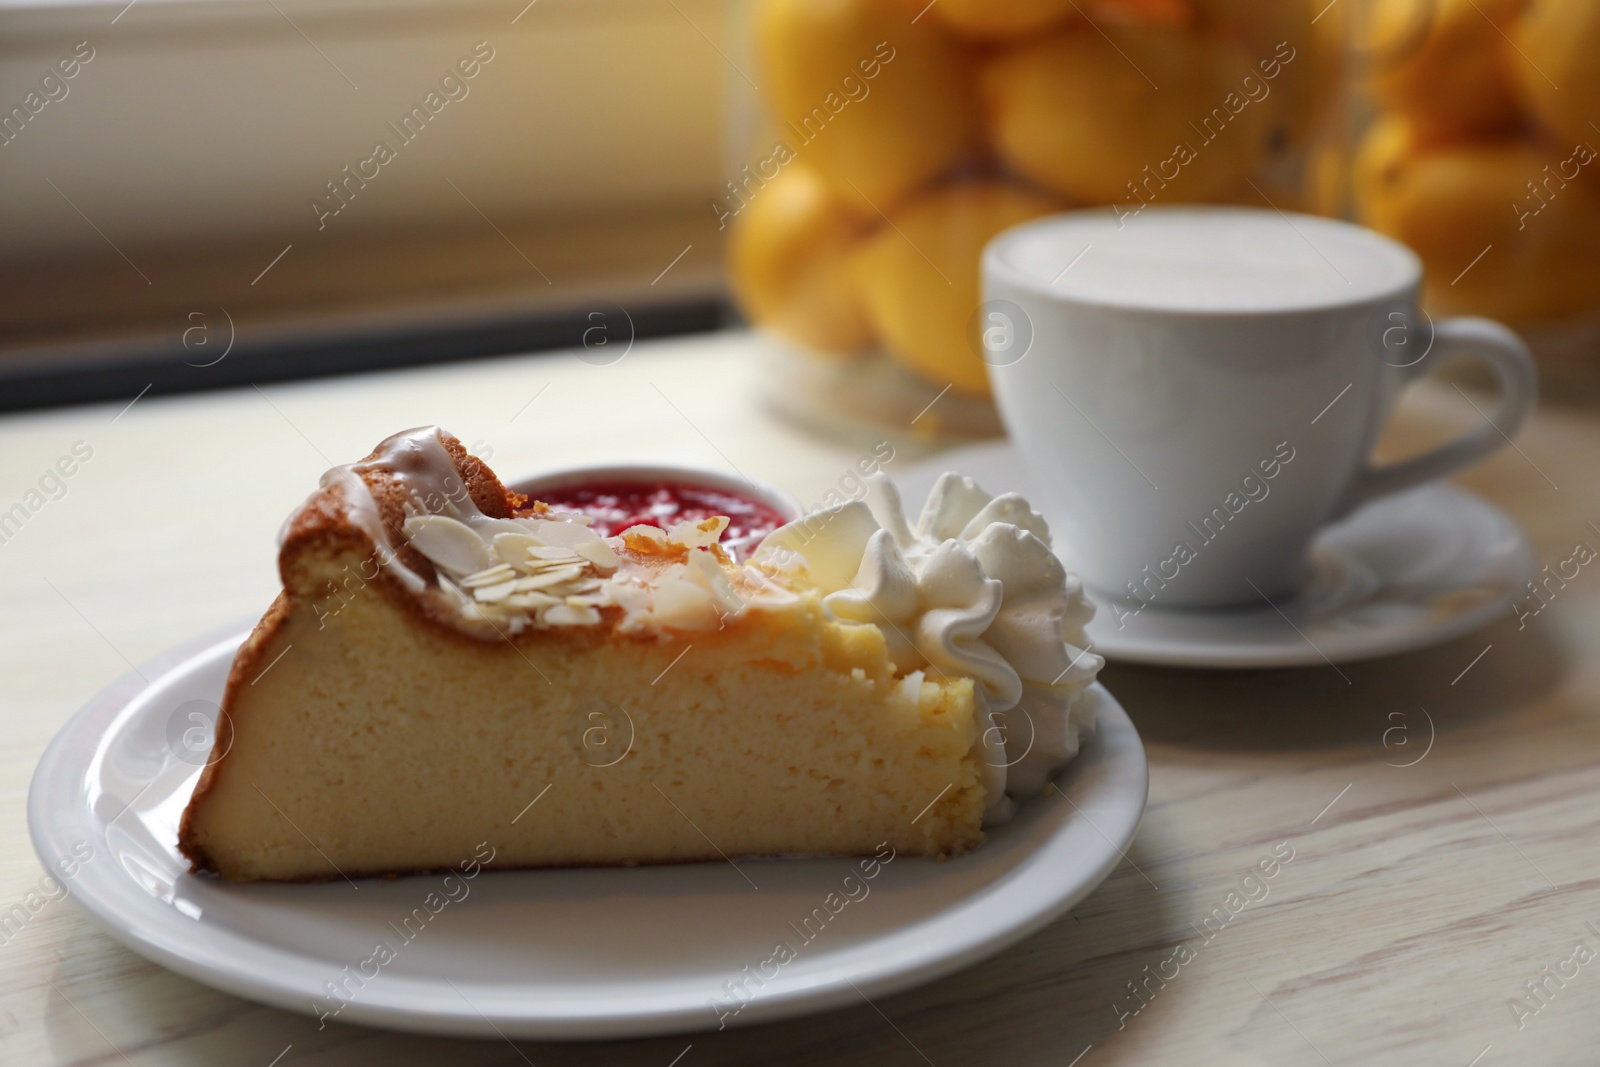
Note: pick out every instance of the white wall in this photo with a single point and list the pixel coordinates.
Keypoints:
(200, 121)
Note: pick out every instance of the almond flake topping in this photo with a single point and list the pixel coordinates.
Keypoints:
(701, 534)
(492, 576)
(448, 543)
(490, 593)
(548, 569)
(515, 547)
(600, 554)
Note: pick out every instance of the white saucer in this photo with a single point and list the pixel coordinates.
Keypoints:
(1405, 572)
(548, 954)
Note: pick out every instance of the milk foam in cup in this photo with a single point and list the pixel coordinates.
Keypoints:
(1197, 390)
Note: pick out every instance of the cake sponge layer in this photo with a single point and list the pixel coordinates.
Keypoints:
(382, 742)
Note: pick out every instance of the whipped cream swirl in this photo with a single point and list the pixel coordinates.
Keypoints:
(973, 590)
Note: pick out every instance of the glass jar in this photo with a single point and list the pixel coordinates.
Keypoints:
(1481, 154)
(879, 144)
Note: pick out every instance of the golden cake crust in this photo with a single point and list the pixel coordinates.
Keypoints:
(322, 529)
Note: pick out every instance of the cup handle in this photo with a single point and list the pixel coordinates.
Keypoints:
(1513, 367)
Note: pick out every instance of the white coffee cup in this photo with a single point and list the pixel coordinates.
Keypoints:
(1197, 390)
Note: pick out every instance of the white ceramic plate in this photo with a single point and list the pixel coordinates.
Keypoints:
(1407, 571)
(550, 954)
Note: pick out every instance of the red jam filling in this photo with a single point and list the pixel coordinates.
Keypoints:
(615, 506)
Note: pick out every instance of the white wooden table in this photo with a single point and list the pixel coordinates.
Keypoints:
(1418, 901)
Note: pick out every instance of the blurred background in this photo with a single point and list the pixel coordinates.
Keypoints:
(201, 193)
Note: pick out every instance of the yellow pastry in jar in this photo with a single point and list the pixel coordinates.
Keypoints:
(995, 20)
(1500, 227)
(920, 276)
(878, 104)
(1450, 75)
(1130, 117)
(1557, 66)
(1172, 13)
(788, 249)
(1297, 43)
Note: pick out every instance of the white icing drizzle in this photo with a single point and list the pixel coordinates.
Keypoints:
(972, 590)
(426, 474)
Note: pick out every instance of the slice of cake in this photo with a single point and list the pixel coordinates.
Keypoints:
(450, 665)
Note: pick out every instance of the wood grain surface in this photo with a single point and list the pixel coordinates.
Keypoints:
(1441, 858)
